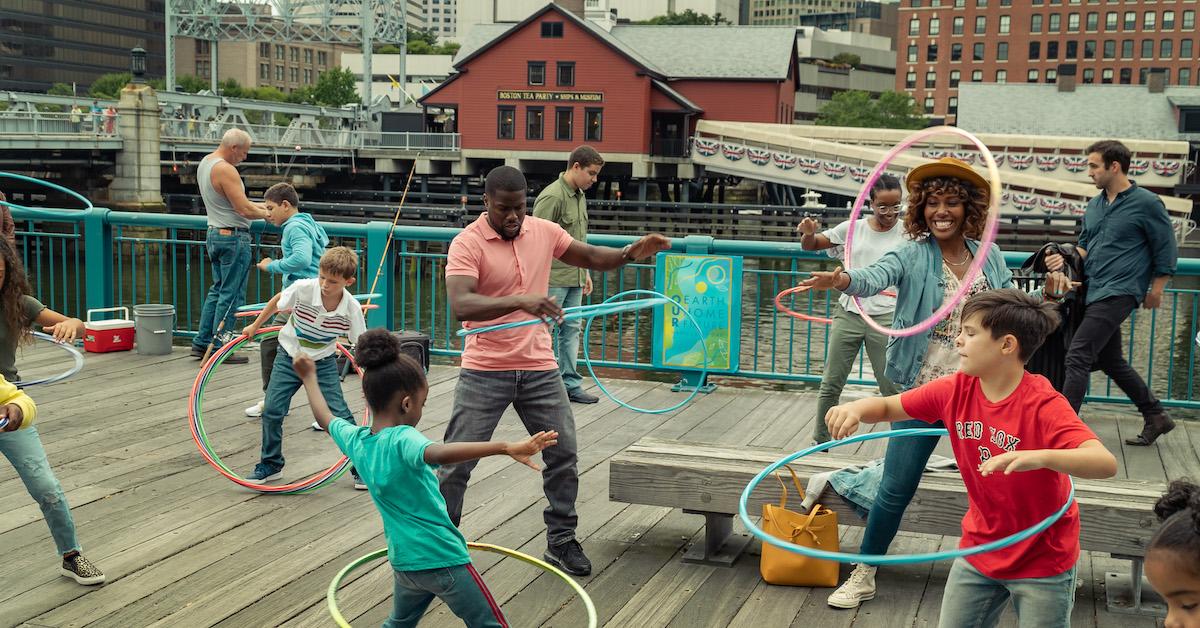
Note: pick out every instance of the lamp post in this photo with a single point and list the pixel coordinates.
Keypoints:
(137, 65)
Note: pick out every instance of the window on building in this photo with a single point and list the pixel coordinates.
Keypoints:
(1002, 51)
(1051, 50)
(1001, 76)
(552, 30)
(1089, 49)
(1093, 21)
(1089, 76)
(1051, 76)
(1055, 23)
(1106, 76)
(294, 74)
(929, 104)
(1148, 20)
(295, 52)
(1110, 21)
(593, 125)
(1073, 23)
(1031, 76)
(1189, 20)
(955, 77)
(914, 26)
(1072, 50)
(952, 105)
(980, 25)
(916, 4)
(930, 80)
(1005, 23)
(956, 26)
(1035, 23)
(264, 71)
(264, 50)
(1168, 21)
(1185, 49)
(1185, 76)
(534, 120)
(308, 76)
(1126, 76)
(280, 52)
(1142, 73)
(279, 73)
(912, 53)
(566, 74)
(564, 118)
(931, 53)
(956, 52)
(976, 76)
(1126, 48)
(1147, 48)
(935, 26)
(910, 80)
(1130, 20)
(1035, 50)
(1110, 49)
(977, 52)
(322, 58)
(308, 55)
(203, 68)
(537, 72)
(1166, 49)
(506, 122)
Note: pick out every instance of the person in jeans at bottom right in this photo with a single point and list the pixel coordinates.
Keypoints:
(1129, 253)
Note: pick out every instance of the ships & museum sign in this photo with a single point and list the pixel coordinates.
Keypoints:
(522, 94)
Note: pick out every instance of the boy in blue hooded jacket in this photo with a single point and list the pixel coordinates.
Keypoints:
(303, 243)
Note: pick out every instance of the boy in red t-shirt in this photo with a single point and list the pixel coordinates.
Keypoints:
(1015, 439)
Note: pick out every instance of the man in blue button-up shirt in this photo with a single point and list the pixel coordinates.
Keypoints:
(1130, 252)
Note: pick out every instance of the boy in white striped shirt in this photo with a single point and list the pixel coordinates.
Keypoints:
(323, 310)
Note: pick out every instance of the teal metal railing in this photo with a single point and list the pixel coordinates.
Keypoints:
(80, 260)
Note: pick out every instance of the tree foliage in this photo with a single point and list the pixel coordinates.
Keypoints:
(335, 88)
(686, 18)
(847, 58)
(892, 110)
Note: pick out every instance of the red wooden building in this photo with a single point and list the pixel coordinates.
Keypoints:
(534, 90)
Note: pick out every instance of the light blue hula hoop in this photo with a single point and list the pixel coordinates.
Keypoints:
(61, 376)
(886, 559)
(54, 186)
(587, 360)
(574, 312)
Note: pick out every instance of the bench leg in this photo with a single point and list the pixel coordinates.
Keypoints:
(721, 547)
(1130, 594)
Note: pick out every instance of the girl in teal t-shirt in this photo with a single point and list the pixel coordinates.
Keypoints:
(427, 553)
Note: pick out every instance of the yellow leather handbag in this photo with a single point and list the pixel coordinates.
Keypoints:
(817, 529)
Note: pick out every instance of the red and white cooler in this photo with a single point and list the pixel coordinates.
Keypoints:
(114, 334)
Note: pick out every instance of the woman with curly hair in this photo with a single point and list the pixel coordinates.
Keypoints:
(947, 212)
(19, 440)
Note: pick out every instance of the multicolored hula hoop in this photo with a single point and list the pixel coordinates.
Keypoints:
(196, 423)
(989, 230)
(885, 559)
(75, 368)
(336, 614)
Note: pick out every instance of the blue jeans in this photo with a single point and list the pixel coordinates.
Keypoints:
(541, 401)
(973, 600)
(903, 465)
(284, 384)
(24, 450)
(229, 256)
(566, 340)
(460, 587)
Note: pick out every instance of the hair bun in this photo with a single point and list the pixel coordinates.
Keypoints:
(375, 348)
(1180, 496)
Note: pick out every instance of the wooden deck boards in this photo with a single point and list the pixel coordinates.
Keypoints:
(183, 546)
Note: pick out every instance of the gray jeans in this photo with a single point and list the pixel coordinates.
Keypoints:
(847, 335)
(540, 398)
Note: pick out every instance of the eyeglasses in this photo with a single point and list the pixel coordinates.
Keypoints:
(887, 210)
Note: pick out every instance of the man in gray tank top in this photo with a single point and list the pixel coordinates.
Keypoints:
(228, 242)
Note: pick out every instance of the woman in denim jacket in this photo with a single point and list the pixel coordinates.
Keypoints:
(947, 212)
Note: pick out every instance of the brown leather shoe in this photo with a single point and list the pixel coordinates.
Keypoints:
(1156, 425)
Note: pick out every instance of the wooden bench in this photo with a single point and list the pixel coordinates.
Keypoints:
(1116, 516)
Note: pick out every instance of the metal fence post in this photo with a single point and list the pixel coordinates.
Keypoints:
(98, 258)
(377, 259)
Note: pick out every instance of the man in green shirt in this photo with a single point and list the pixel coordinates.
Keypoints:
(563, 202)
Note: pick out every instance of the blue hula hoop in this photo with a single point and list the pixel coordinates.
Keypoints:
(572, 313)
(587, 360)
(54, 186)
(886, 559)
(259, 306)
(61, 376)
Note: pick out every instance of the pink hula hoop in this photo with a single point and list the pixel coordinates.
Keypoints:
(989, 230)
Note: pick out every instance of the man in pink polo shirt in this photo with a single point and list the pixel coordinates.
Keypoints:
(499, 271)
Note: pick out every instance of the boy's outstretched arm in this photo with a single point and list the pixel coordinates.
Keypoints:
(843, 420)
(267, 312)
(521, 451)
(1091, 460)
(306, 370)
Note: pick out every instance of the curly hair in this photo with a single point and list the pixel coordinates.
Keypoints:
(14, 288)
(975, 205)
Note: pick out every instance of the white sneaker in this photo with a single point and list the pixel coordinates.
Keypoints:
(256, 409)
(859, 588)
(317, 427)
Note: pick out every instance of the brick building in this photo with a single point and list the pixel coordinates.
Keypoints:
(534, 90)
(942, 43)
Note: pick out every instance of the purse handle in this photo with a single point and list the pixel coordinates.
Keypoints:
(795, 482)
